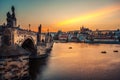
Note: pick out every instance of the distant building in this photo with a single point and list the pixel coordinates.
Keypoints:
(63, 37)
(56, 36)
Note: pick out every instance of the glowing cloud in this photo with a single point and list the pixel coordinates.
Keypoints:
(94, 15)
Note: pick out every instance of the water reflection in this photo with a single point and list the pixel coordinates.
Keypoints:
(82, 62)
(37, 67)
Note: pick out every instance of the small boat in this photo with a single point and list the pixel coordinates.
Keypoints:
(70, 47)
(104, 52)
(115, 51)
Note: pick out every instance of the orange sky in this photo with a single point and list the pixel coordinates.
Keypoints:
(91, 17)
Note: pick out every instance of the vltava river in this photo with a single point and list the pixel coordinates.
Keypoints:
(82, 62)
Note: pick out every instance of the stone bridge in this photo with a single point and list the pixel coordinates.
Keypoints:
(14, 35)
(23, 38)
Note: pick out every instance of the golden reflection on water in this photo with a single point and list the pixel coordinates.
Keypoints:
(83, 61)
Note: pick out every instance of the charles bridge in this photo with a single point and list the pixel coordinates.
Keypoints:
(18, 46)
(11, 34)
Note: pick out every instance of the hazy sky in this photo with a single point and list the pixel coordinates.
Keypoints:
(64, 14)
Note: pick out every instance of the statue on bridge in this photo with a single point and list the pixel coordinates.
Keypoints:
(11, 19)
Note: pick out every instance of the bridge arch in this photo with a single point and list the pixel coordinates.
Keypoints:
(29, 45)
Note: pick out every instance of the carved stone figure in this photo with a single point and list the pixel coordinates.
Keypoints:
(11, 19)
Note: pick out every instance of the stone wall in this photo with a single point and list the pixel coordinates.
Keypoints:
(14, 67)
(21, 35)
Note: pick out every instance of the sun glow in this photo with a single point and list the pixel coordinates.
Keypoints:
(90, 16)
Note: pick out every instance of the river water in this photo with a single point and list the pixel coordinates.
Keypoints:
(82, 62)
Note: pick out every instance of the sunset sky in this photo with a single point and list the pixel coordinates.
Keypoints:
(64, 15)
